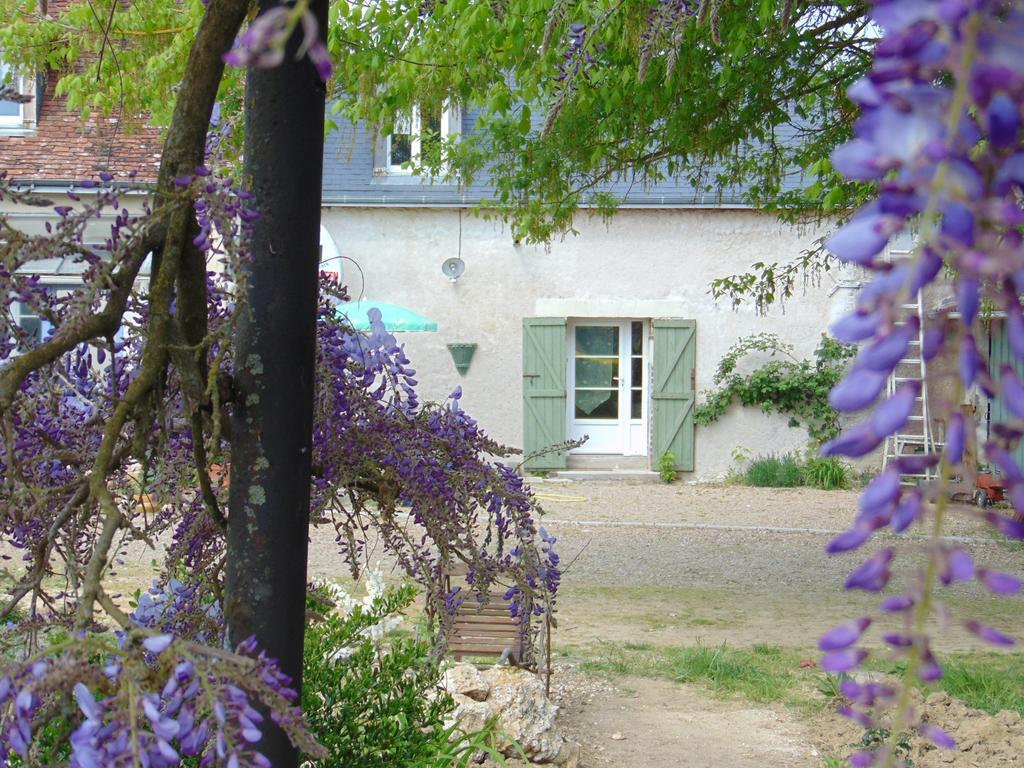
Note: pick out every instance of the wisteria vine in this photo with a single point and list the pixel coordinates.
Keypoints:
(75, 495)
(940, 134)
(419, 475)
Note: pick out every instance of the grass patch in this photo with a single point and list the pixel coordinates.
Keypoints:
(773, 471)
(993, 683)
(758, 675)
(990, 682)
(829, 474)
(762, 673)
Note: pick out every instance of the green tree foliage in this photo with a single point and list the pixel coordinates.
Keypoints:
(111, 58)
(730, 93)
(785, 384)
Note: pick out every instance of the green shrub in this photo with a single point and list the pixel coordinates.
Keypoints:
(667, 466)
(775, 471)
(784, 384)
(826, 473)
(373, 697)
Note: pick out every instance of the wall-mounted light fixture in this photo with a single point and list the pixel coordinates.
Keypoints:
(454, 267)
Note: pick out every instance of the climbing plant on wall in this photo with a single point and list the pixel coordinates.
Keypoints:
(785, 384)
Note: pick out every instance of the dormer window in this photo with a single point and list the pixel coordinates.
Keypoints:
(14, 115)
(418, 137)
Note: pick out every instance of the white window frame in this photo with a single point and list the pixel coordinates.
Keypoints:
(13, 122)
(449, 117)
(58, 283)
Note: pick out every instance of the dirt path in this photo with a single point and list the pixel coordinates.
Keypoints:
(643, 723)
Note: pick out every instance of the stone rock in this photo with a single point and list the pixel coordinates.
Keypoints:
(466, 680)
(471, 715)
(526, 715)
(570, 756)
(514, 701)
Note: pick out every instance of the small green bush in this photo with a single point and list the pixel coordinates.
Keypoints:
(667, 466)
(774, 471)
(373, 697)
(826, 473)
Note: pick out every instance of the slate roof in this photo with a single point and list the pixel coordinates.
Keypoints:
(349, 180)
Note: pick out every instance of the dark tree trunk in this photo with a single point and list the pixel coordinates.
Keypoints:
(272, 423)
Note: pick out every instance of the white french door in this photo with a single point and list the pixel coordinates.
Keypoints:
(608, 386)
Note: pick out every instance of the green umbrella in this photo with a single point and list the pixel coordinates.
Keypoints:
(395, 318)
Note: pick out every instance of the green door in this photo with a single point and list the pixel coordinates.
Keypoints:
(672, 395)
(1000, 354)
(544, 402)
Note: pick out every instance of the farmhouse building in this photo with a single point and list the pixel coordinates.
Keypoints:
(610, 333)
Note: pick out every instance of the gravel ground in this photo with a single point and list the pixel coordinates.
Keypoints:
(714, 505)
(678, 563)
(727, 563)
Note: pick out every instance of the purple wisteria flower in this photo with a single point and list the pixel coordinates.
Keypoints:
(940, 136)
(433, 463)
(263, 43)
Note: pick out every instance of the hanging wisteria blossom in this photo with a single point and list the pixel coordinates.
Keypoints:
(939, 132)
(164, 689)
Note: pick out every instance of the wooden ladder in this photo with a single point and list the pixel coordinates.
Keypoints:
(917, 436)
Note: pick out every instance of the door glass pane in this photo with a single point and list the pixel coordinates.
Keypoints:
(637, 337)
(597, 404)
(637, 372)
(635, 407)
(597, 371)
(597, 340)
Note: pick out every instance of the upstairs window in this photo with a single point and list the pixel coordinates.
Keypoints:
(12, 113)
(418, 137)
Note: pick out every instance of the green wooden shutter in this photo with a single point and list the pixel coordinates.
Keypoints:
(674, 359)
(544, 414)
(999, 355)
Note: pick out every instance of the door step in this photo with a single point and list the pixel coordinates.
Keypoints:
(603, 462)
(616, 475)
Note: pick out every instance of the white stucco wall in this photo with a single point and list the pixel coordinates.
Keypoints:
(31, 219)
(642, 264)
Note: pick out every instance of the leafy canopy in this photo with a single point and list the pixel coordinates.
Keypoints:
(564, 97)
(573, 95)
